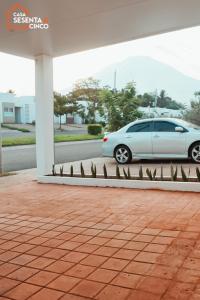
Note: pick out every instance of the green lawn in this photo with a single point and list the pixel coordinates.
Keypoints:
(58, 139)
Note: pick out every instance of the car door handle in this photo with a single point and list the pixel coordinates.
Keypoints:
(156, 136)
(128, 136)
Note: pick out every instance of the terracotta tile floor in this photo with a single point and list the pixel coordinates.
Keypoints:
(73, 243)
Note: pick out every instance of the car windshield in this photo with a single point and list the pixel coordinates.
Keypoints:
(188, 124)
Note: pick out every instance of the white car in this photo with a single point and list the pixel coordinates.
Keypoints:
(154, 139)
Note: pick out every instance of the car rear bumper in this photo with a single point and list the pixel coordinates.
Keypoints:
(107, 150)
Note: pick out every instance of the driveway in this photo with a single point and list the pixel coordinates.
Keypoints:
(76, 243)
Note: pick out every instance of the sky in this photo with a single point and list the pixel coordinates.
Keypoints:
(179, 49)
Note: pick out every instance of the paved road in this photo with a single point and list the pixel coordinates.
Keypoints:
(23, 157)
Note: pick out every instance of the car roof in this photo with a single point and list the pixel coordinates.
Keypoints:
(156, 119)
(150, 120)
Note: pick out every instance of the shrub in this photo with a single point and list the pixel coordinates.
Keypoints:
(102, 123)
(94, 129)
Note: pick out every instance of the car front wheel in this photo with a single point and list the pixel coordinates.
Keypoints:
(195, 152)
(122, 155)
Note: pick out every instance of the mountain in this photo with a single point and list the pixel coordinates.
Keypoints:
(150, 75)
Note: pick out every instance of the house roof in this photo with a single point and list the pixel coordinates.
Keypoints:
(77, 25)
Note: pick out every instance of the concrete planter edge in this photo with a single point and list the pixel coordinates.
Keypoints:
(123, 183)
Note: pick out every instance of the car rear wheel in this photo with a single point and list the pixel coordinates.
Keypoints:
(122, 155)
(195, 153)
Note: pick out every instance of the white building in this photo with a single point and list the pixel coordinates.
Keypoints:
(153, 112)
(15, 109)
(21, 110)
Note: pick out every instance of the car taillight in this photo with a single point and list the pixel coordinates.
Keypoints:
(105, 139)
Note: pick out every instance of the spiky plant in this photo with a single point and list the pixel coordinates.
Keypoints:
(161, 174)
(71, 171)
(140, 173)
(174, 173)
(53, 170)
(188, 174)
(183, 174)
(118, 172)
(198, 173)
(82, 170)
(129, 173)
(61, 170)
(149, 174)
(125, 174)
(93, 170)
(105, 173)
(92, 167)
(154, 174)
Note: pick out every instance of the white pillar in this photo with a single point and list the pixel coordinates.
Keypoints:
(44, 114)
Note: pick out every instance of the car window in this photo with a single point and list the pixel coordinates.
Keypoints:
(141, 127)
(164, 126)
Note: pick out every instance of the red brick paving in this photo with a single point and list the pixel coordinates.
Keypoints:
(73, 243)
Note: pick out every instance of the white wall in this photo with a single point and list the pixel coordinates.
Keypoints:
(26, 104)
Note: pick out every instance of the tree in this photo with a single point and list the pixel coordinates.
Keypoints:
(88, 89)
(163, 101)
(146, 100)
(193, 113)
(120, 107)
(167, 102)
(60, 108)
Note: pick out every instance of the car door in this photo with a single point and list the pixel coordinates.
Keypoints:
(166, 141)
(139, 138)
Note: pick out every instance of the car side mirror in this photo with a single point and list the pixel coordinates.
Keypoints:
(179, 129)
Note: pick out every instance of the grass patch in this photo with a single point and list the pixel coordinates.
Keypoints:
(15, 128)
(6, 142)
(75, 138)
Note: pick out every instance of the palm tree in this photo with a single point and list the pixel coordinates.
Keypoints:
(162, 98)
